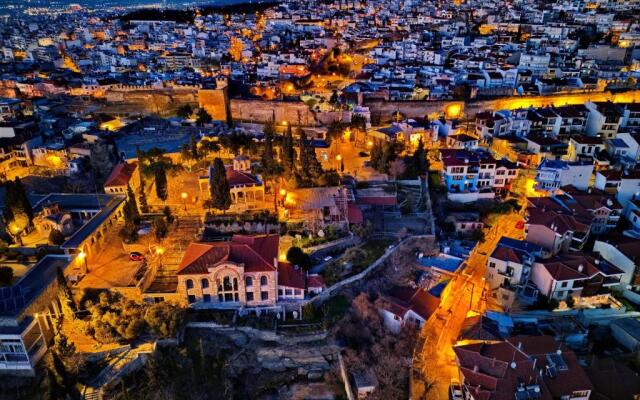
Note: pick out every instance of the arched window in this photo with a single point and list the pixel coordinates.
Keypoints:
(228, 289)
(189, 283)
(248, 281)
(204, 283)
(263, 281)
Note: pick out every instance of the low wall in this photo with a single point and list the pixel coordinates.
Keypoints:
(418, 109)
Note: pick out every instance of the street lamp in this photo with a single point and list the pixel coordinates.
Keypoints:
(82, 259)
(15, 229)
(184, 195)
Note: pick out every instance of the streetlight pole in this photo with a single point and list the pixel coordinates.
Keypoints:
(184, 195)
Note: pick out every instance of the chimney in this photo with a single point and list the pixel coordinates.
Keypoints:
(476, 368)
(520, 345)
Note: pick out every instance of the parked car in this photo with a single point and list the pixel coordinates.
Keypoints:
(455, 390)
(136, 256)
(327, 258)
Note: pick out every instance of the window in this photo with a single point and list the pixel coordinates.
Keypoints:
(228, 289)
(248, 281)
(264, 296)
(192, 299)
(263, 281)
(189, 284)
(206, 298)
(298, 292)
(492, 264)
(288, 292)
(249, 296)
(564, 284)
(204, 283)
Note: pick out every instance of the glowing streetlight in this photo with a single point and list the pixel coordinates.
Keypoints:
(15, 229)
(370, 143)
(159, 251)
(283, 192)
(338, 157)
(284, 123)
(82, 260)
(184, 196)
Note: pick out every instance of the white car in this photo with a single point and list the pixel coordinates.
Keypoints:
(455, 390)
(327, 258)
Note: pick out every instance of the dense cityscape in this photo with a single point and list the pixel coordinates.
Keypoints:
(320, 199)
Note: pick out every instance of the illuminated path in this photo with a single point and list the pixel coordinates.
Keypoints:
(465, 295)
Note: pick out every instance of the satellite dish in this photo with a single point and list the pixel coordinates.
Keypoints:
(321, 233)
(559, 352)
(513, 365)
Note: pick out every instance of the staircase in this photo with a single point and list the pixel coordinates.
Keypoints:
(187, 230)
(93, 391)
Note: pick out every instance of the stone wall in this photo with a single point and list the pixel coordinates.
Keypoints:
(263, 111)
(418, 109)
(214, 101)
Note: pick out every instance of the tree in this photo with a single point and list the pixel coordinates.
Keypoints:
(104, 157)
(207, 147)
(18, 213)
(6, 275)
(62, 346)
(288, 153)
(185, 111)
(166, 211)
(165, 319)
(419, 163)
(142, 195)
(296, 256)
(376, 156)
(56, 237)
(155, 163)
(310, 167)
(160, 228)
(131, 212)
(269, 166)
(235, 142)
(396, 168)
(334, 100)
(203, 117)
(220, 192)
(67, 302)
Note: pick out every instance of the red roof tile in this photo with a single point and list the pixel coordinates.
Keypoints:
(256, 253)
(290, 276)
(121, 174)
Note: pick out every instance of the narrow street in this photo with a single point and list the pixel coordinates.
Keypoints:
(465, 295)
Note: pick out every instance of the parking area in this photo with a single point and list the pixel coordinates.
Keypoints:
(111, 268)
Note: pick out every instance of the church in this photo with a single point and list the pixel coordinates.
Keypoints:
(242, 272)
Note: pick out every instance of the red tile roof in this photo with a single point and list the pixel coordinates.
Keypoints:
(121, 174)
(290, 276)
(315, 281)
(403, 299)
(256, 253)
(354, 214)
(239, 178)
(494, 371)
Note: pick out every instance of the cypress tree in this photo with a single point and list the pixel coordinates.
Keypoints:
(161, 183)
(219, 186)
(288, 152)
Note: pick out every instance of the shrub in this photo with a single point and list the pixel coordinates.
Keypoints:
(296, 256)
(165, 319)
(160, 228)
(56, 237)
